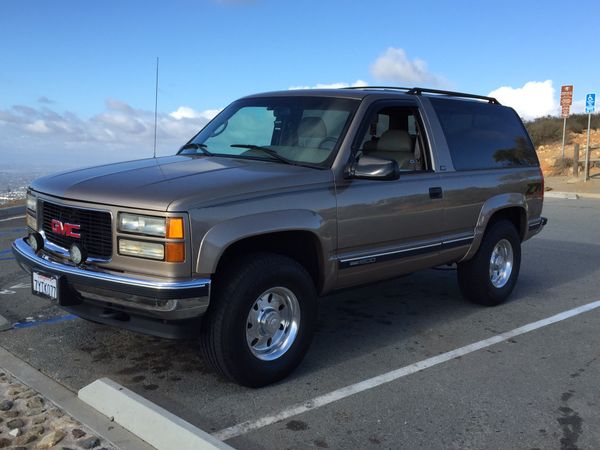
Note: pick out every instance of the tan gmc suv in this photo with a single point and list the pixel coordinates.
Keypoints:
(284, 197)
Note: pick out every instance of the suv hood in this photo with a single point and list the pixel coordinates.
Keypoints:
(177, 183)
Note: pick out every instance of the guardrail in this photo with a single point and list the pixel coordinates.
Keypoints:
(586, 162)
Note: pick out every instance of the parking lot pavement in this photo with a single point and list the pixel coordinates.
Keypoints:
(537, 390)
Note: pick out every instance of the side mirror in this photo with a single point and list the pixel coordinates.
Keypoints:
(372, 168)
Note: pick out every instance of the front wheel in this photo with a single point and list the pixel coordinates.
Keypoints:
(490, 276)
(261, 319)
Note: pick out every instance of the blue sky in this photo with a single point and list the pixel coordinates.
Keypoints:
(77, 78)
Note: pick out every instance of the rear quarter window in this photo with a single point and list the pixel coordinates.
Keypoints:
(484, 135)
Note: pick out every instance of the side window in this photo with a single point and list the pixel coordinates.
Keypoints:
(483, 135)
(395, 133)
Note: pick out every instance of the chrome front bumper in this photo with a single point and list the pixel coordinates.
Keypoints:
(167, 300)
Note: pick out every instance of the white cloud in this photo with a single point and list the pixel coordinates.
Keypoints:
(339, 85)
(185, 112)
(119, 132)
(39, 126)
(394, 65)
(533, 99)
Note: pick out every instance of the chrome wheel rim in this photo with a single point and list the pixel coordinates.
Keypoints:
(272, 323)
(501, 263)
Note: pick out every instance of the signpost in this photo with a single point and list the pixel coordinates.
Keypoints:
(566, 99)
(590, 104)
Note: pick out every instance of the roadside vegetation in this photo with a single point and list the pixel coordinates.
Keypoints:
(548, 130)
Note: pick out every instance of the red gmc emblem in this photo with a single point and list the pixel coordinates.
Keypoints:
(65, 229)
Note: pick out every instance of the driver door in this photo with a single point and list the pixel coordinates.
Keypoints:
(389, 227)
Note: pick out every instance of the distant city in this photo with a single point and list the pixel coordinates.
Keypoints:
(14, 181)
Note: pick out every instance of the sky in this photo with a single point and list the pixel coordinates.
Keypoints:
(77, 78)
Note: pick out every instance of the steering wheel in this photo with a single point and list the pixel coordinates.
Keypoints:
(328, 143)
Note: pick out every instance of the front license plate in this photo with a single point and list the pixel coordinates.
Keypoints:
(44, 285)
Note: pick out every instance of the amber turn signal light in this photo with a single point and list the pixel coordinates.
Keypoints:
(174, 228)
(175, 251)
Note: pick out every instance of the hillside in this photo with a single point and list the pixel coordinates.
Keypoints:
(546, 134)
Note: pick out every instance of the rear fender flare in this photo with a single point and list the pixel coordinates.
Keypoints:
(489, 208)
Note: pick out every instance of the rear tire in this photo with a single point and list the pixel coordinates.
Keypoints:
(490, 276)
(261, 319)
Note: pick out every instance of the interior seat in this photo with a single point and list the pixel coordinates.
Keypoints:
(396, 145)
(311, 132)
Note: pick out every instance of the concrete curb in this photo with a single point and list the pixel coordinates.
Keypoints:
(68, 402)
(588, 195)
(565, 195)
(571, 195)
(148, 421)
(4, 324)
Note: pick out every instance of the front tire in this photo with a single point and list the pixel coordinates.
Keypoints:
(490, 276)
(261, 319)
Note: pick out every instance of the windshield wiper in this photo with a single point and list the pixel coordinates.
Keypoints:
(193, 145)
(267, 150)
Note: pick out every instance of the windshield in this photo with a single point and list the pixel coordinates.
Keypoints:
(291, 130)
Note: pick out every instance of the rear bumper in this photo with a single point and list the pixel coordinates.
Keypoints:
(155, 306)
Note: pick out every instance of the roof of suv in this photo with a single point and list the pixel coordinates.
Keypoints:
(362, 91)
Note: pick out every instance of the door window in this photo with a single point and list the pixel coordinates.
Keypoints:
(395, 133)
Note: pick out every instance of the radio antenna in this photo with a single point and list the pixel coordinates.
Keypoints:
(155, 106)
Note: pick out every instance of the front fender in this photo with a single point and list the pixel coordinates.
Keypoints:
(223, 234)
(489, 208)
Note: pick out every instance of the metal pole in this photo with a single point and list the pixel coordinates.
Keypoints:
(586, 173)
(576, 160)
(564, 133)
(155, 106)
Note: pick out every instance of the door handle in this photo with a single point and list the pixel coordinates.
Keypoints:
(435, 192)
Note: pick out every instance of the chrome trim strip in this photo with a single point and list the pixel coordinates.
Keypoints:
(394, 252)
(405, 250)
(20, 246)
(452, 241)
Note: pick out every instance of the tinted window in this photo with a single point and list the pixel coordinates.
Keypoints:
(483, 135)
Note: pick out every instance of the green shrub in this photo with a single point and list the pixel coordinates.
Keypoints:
(548, 129)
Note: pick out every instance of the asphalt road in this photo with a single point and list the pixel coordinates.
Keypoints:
(535, 390)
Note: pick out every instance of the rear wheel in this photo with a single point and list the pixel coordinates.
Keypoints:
(490, 276)
(261, 319)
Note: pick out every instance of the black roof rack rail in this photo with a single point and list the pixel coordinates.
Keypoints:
(419, 91)
(391, 88)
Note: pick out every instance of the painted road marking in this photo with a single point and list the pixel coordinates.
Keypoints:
(52, 320)
(347, 391)
(12, 218)
(10, 290)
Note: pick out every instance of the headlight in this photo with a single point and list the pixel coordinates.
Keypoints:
(149, 225)
(31, 216)
(31, 203)
(142, 249)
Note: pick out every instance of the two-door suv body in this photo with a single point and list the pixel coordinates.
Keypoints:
(282, 198)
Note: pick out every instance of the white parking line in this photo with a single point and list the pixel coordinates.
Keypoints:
(11, 218)
(347, 391)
